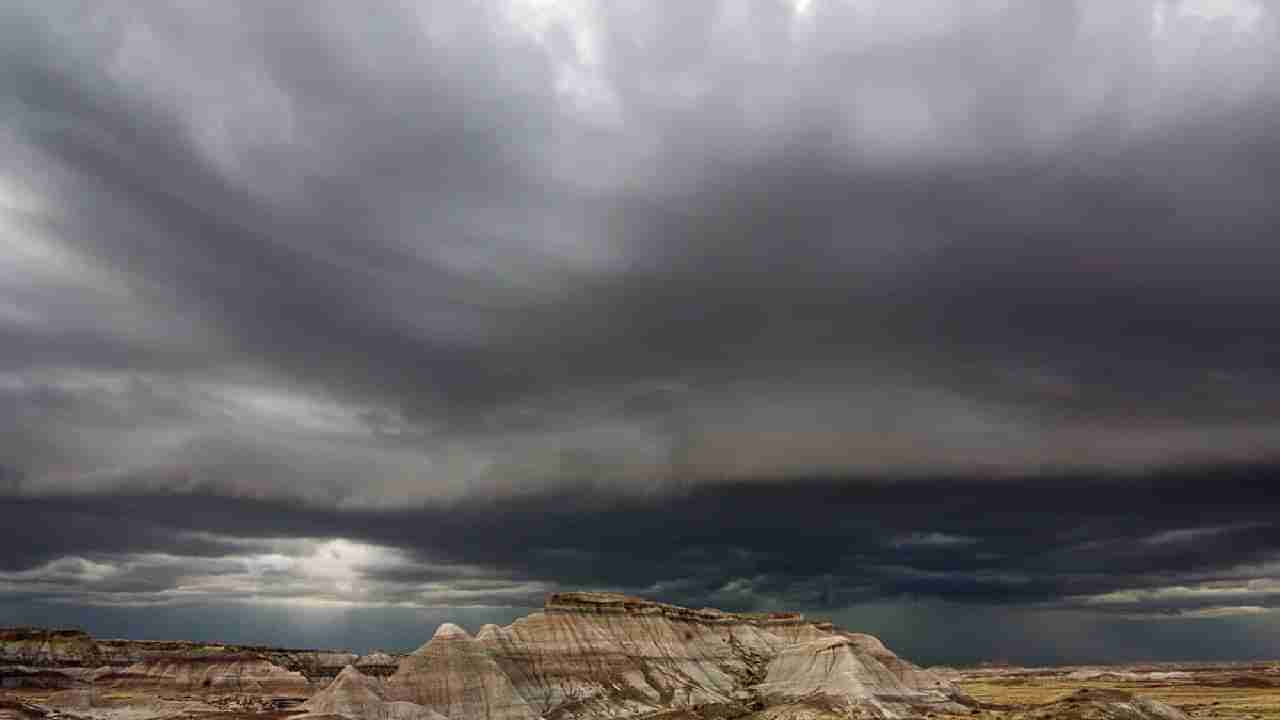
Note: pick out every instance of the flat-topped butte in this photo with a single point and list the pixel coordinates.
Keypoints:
(604, 602)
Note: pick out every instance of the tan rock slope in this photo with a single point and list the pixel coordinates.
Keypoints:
(457, 676)
(356, 695)
(238, 672)
(608, 655)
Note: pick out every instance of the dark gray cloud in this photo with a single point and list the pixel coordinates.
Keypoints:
(1194, 539)
(499, 293)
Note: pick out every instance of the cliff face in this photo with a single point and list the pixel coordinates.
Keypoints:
(605, 655)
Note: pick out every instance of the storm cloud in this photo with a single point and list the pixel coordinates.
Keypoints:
(825, 304)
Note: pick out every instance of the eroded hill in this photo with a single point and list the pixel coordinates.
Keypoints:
(584, 656)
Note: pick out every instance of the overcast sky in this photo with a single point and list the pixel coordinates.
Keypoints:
(902, 312)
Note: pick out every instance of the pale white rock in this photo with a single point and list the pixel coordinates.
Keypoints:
(857, 671)
(449, 631)
(633, 661)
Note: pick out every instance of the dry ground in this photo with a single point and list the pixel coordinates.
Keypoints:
(1203, 692)
(1229, 691)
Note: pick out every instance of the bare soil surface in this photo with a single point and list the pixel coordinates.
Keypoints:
(1227, 691)
(1231, 691)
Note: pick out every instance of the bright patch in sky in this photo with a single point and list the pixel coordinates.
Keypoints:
(1241, 15)
(1244, 14)
(569, 32)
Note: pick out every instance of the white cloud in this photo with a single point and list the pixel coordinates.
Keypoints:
(302, 572)
(1186, 535)
(1243, 15)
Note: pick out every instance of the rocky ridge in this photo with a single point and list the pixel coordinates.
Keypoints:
(608, 655)
(233, 672)
(73, 651)
(355, 695)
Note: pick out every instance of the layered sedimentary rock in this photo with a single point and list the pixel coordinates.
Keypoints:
(19, 677)
(75, 652)
(355, 695)
(241, 672)
(316, 665)
(607, 655)
(858, 670)
(378, 664)
(456, 676)
(40, 647)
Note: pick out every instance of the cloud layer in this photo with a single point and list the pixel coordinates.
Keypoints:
(613, 280)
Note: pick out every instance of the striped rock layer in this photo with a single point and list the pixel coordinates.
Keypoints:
(602, 655)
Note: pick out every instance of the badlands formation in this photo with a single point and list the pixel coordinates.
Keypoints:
(602, 655)
(586, 655)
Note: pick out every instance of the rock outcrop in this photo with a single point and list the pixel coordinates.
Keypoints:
(378, 664)
(608, 655)
(41, 647)
(840, 668)
(317, 665)
(355, 695)
(1097, 704)
(19, 677)
(457, 676)
(75, 652)
(585, 655)
(241, 673)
